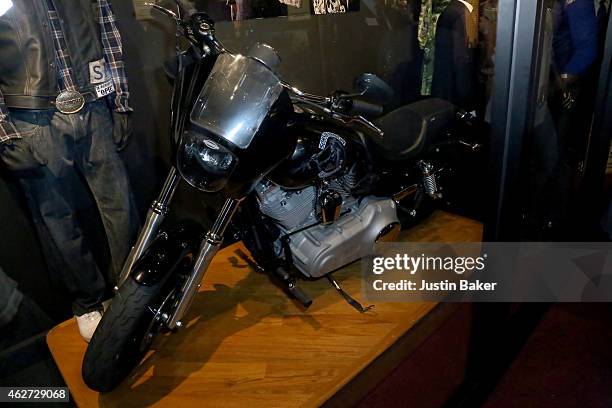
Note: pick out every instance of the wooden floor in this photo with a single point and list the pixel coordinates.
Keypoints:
(246, 344)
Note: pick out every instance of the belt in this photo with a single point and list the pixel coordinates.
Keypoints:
(40, 102)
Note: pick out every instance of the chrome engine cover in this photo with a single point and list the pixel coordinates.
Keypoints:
(322, 249)
(290, 209)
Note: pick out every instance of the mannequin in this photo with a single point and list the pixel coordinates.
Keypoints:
(64, 114)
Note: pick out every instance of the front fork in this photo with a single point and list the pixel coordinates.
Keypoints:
(155, 216)
(208, 249)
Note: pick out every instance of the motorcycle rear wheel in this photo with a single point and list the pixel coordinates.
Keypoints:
(117, 345)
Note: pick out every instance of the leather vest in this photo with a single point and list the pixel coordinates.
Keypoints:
(28, 74)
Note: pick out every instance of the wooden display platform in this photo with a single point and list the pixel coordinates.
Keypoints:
(246, 344)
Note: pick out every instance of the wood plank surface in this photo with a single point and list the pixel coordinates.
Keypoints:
(247, 345)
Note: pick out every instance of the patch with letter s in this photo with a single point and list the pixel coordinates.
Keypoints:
(100, 77)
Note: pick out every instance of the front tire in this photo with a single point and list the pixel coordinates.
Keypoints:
(135, 315)
(116, 346)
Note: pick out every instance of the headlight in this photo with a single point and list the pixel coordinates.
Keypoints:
(204, 163)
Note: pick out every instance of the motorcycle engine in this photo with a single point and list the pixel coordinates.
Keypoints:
(317, 248)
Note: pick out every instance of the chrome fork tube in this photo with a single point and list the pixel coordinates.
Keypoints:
(155, 216)
(208, 249)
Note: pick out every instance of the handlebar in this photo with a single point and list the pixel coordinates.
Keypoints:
(336, 108)
(361, 107)
(197, 27)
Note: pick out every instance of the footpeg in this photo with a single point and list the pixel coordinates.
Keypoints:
(349, 299)
(287, 282)
(474, 147)
(299, 295)
(282, 279)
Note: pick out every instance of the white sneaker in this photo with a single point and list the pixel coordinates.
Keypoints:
(87, 324)
(106, 304)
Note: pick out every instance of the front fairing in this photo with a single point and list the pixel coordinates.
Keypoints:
(236, 99)
(235, 130)
(188, 76)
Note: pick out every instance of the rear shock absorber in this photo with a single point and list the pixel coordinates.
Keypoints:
(429, 180)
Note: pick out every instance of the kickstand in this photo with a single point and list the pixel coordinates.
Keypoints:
(351, 301)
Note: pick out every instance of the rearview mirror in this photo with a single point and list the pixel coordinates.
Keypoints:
(374, 88)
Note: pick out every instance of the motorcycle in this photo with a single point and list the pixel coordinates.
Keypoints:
(312, 183)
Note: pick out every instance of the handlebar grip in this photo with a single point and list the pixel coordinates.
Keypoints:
(300, 295)
(366, 108)
(187, 9)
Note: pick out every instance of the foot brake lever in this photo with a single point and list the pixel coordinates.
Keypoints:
(351, 301)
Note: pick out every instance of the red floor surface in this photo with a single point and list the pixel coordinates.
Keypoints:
(567, 362)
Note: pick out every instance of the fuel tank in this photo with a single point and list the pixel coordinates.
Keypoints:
(321, 152)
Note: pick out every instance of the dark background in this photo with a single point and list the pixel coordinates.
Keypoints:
(319, 55)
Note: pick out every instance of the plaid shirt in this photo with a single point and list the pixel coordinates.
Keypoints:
(113, 56)
(7, 129)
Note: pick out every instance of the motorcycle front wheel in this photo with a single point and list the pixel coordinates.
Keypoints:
(119, 342)
(139, 310)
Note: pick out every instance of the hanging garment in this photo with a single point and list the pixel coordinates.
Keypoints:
(454, 73)
(428, 21)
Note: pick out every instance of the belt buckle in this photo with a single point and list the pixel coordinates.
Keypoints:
(69, 102)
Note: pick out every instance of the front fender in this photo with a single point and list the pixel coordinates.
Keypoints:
(165, 253)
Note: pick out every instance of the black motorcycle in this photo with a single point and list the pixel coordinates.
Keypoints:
(312, 183)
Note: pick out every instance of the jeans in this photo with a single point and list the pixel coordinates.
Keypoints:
(72, 154)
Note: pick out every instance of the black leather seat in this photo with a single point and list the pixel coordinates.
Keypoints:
(412, 128)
